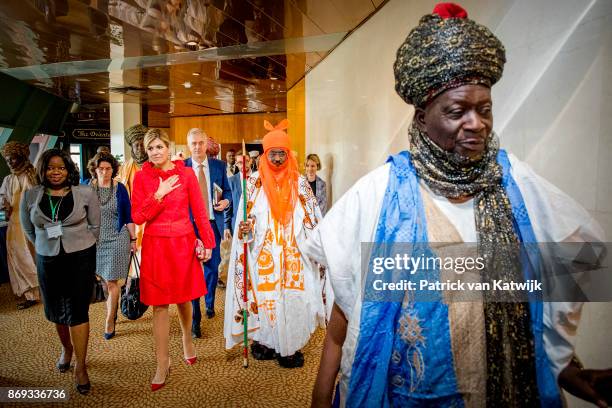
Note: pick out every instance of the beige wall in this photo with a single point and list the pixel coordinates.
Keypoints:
(552, 107)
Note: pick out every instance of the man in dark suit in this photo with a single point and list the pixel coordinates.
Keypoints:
(212, 180)
(230, 159)
(235, 183)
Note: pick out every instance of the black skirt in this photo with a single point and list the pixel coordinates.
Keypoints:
(66, 284)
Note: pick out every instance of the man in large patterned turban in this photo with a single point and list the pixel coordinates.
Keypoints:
(455, 185)
(134, 136)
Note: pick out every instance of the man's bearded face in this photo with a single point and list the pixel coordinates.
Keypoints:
(277, 157)
(138, 151)
(459, 120)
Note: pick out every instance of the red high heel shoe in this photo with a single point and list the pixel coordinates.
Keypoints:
(157, 386)
(191, 360)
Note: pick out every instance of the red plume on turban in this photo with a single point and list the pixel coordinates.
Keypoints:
(280, 183)
(449, 10)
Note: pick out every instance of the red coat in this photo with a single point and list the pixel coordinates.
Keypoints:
(170, 270)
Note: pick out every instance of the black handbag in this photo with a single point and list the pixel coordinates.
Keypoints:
(100, 290)
(131, 306)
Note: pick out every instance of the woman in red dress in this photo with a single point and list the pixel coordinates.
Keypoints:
(171, 270)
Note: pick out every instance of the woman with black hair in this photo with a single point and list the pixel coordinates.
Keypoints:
(62, 219)
(117, 233)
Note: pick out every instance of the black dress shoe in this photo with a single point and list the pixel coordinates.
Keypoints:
(196, 333)
(261, 352)
(26, 305)
(210, 313)
(294, 361)
(83, 389)
(63, 367)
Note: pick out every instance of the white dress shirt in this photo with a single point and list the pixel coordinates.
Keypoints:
(194, 166)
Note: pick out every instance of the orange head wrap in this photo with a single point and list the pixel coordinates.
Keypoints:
(280, 183)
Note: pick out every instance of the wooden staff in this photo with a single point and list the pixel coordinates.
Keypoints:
(245, 340)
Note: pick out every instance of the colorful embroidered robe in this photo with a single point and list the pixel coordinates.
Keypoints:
(285, 303)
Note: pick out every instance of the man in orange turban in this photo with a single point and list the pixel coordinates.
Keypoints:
(285, 304)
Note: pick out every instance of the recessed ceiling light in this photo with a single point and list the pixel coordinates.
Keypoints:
(196, 74)
(101, 92)
(158, 87)
(187, 84)
(191, 43)
(273, 78)
(198, 93)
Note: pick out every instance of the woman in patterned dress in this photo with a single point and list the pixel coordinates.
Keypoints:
(117, 233)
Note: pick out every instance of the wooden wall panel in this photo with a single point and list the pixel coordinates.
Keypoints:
(158, 119)
(296, 112)
(225, 128)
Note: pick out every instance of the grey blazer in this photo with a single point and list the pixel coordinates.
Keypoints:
(80, 230)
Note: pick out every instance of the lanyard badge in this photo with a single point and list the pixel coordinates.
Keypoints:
(54, 230)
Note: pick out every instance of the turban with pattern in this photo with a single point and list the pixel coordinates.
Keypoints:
(135, 133)
(16, 149)
(21, 150)
(446, 50)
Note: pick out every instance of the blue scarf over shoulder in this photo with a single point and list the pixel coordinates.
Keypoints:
(414, 366)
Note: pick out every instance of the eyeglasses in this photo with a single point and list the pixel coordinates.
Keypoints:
(280, 155)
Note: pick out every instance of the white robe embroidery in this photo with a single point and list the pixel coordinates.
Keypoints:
(285, 303)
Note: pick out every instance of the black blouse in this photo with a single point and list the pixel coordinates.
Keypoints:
(313, 185)
(65, 207)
